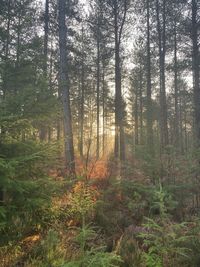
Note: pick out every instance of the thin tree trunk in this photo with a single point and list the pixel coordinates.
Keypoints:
(164, 101)
(117, 90)
(181, 124)
(44, 130)
(18, 41)
(162, 52)
(195, 69)
(82, 100)
(176, 92)
(3, 132)
(103, 104)
(119, 118)
(136, 118)
(141, 110)
(98, 88)
(82, 109)
(64, 88)
(46, 36)
(149, 100)
(7, 49)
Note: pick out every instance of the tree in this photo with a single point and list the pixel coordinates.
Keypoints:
(161, 30)
(149, 88)
(64, 88)
(195, 69)
(117, 18)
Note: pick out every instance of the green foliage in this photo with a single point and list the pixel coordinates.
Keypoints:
(162, 202)
(130, 251)
(26, 188)
(96, 259)
(193, 244)
(165, 242)
(92, 253)
(49, 252)
(82, 201)
(85, 234)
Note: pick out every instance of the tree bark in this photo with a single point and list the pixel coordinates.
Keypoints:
(149, 89)
(98, 88)
(44, 130)
(46, 36)
(119, 118)
(103, 107)
(82, 99)
(64, 88)
(162, 53)
(195, 69)
(176, 92)
(164, 101)
(136, 118)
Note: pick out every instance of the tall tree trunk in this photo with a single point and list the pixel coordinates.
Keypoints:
(82, 100)
(7, 49)
(164, 101)
(82, 109)
(46, 36)
(162, 52)
(176, 93)
(185, 126)
(44, 130)
(18, 48)
(117, 92)
(103, 106)
(98, 87)
(181, 125)
(136, 118)
(141, 109)
(2, 129)
(64, 88)
(149, 100)
(195, 69)
(119, 117)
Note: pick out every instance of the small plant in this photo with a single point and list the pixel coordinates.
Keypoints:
(82, 201)
(165, 242)
(86, 233)
(49, 252)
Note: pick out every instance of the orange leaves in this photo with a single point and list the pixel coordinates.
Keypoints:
(96, 169)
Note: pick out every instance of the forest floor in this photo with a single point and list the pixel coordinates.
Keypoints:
(107, 205)
(99, 175)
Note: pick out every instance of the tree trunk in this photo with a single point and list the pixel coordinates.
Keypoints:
(7, 49)
(162, 52)
(141, 110)
(119, 118)
(82, 100)
(44, 130)
(103, 106)
(82, 109)
(149, 100)
(64, 88)
(46, 36)
(5, 74)
(176, 93)
(136, 118)
(195, 69)
(98, 88)
(164, 101)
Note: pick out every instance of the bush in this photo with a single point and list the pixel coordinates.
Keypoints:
(27, 190)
